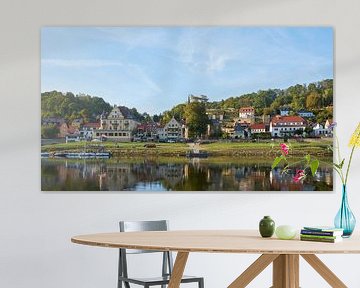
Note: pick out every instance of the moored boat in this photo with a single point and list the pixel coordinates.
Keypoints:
(79, 155)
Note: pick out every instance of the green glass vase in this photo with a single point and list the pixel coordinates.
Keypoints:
(266, 227)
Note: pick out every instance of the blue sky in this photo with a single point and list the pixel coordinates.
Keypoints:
(155, 68)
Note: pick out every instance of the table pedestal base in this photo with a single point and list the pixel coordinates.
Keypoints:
(286, 271)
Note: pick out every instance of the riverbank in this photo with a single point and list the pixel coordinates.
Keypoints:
(317, 148)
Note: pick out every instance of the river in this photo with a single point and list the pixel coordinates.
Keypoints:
(143, 174)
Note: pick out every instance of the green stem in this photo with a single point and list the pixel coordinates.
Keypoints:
(336, 169)
(348, 166)
(339, 171)
(338, 149)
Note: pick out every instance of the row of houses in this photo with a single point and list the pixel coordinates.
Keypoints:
(121, 125)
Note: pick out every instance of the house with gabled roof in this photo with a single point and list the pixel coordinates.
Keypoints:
(246, 112)
(118, 125)
(257, 128)
(281, 126)
(87, 130)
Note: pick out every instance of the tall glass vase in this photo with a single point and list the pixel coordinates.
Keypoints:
(345, 219)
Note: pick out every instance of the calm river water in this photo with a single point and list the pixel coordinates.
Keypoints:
(129, 174)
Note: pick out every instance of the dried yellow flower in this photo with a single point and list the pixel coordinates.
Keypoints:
(355, 138)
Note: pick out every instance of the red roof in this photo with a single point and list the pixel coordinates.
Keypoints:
(72, 130)
(92, 125)
(246, 109)
(284, 120)
(258, 126)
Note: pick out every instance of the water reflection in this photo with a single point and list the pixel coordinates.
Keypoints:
(176, 175)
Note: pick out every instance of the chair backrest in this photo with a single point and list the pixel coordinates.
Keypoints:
(137, 226)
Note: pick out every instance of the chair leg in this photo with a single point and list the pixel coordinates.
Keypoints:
(201, 283)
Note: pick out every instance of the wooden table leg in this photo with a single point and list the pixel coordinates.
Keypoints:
(324, 271)
(286, 271)
(178, 269)
(253, 270)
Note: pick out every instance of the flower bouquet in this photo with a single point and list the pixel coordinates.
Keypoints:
(344, 218)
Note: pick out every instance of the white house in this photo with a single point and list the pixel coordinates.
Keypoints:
(201, 98)
(320, 130)
(257, 128)
(246, 112)
(87, 130)
(281, 126)
(118, 125)
(173, 130)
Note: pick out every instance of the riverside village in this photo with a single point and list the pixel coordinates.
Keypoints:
(228, 124)
(228, 145)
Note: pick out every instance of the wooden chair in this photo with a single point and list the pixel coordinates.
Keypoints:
(167, 262)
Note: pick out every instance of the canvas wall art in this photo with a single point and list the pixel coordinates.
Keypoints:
(186, 108)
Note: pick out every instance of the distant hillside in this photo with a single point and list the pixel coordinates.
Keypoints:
(313, 96)
(69, 107)
(317, 97)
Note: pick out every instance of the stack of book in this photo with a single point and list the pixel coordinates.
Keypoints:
(321, 234)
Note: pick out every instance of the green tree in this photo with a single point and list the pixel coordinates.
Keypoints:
(196, 119)
(177, 112)
(69, 106)
(313, 100)
(50, 131)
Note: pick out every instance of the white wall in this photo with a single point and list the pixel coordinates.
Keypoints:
(35, 227)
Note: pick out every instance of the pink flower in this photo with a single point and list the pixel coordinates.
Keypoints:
(299, 176)
(284, 148)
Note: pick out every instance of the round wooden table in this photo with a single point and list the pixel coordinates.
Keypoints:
(284, 254)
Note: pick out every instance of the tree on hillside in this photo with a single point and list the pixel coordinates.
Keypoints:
(313, 100)
(263, 99)
(70, 107)
(177, 112)
(196, 119)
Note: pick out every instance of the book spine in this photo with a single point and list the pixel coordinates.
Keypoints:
(318, 239)
(319, 233)
(319, 236)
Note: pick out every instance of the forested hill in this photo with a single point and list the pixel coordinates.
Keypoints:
(317, 97)
(313, 96)
(69, 106)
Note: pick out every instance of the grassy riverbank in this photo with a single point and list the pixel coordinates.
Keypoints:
(132, 149)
